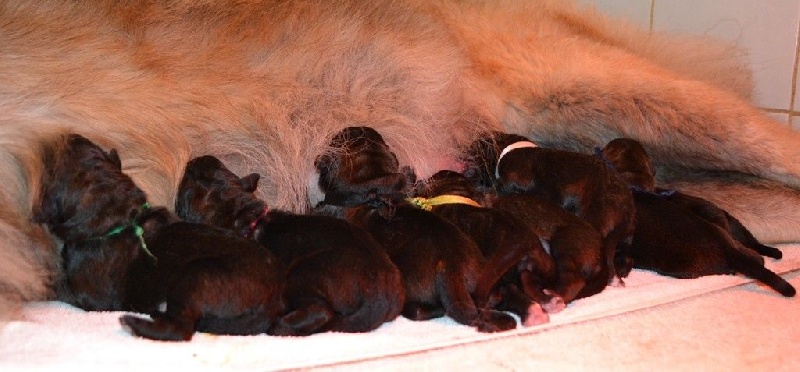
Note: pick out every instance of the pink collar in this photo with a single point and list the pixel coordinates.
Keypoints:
(255, 221)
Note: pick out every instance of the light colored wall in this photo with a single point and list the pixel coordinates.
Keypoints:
(767, 29)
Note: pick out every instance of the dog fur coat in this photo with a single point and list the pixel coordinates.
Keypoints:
(264, 84)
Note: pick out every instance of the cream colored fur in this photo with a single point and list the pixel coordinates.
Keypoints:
(264, 84)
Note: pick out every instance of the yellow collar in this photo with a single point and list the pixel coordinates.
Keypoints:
(428, 203)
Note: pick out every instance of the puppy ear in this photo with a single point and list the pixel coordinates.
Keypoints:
(250, 182)
(113, 156)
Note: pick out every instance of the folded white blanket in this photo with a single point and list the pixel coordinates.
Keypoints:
(53, 335)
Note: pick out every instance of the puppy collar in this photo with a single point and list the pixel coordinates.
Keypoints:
(428, 203)
(507, 149)
(254, 224)
(137, 229)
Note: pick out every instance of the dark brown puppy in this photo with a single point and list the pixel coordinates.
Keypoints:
(359, 168)
(705, 245)
(119, 254)
(339, 278)
(576, 247)
(441, 266)
(580, 183)
(629, 158)
(500, 237)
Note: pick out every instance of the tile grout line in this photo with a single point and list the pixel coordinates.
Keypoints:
(794, 77)
(652, 14)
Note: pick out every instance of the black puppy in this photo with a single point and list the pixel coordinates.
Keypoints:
(576, 247)
(441, 266)
(580, 183)
(629, 158)
(120, 254)
(705, 244)
(339, 278)
(359, 168)
(500, 237)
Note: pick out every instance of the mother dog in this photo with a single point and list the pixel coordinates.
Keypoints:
(264, 84)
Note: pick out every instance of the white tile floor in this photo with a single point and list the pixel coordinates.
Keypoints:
(768, 30)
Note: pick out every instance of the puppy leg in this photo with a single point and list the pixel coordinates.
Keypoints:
(549, 300)
(162, 327)
(419, 311)
(516, 301)
(309, 317)
(459, 305)
(770, 211)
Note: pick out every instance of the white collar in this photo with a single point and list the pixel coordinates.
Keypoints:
(507, 149)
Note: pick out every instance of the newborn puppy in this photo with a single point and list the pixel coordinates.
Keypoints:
(702, 247)
(441, 266)
(580, 183)
(120, 254)
(576, 247)
(501, 237)
(358, 168)
(339, 278)
(629, 158)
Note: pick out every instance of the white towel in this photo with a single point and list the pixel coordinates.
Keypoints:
(53, 335)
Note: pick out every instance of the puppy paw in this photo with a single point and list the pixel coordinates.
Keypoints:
(491, 321)
(616, 282)
(535, 316)
(555, 304)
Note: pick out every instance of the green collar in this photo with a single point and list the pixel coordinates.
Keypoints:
(138, 230)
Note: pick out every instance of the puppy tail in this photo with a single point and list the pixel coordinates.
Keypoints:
(160, 328)
(744, 236)
(742, 264)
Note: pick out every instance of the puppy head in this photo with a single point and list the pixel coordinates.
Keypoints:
(84, 191)
(481, 157)
(359, 164)
(631, 161)
(210, 193)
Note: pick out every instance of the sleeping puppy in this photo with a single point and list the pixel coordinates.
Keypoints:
(339, 278)
(120, 254)
(358, 168)
(704, 245)
(441, 266)
(500, 236)
(576, 247)
(580, 183)
(629, 158)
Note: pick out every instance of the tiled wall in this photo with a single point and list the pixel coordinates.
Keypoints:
(768, 29)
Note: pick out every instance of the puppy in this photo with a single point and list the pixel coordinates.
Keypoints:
(500, 236)
(576, 247)
(580, 183)
(120, 254)
(358, 169)
(631, 161)
(441, 266)
(339, 278)
(705, 245)
(163, 79)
